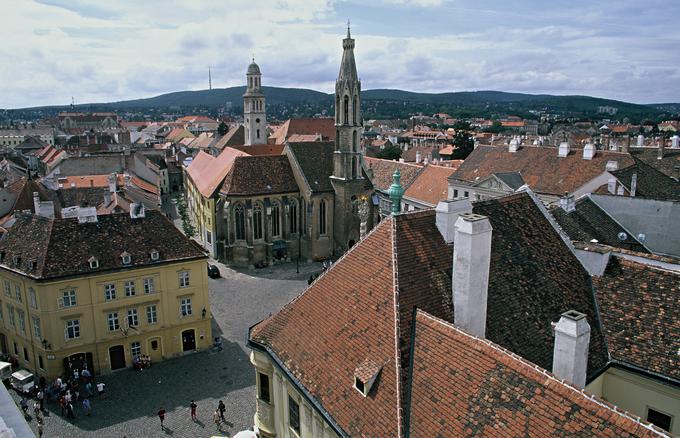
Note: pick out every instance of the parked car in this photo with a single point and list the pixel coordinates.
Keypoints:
(5, 371)
(22, 381)
(213, 271)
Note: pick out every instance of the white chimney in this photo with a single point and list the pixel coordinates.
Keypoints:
(137, 210)
(641, 141)
(661, 145)
(570, 356)
(418, 157)
(563, 150)
(633, 184)
(36, 203)
(675, 142)
(113, 183)
(589, 151)
(471, 260)
(86, 214)
(612, 165)
(447, 214)
(514, 145)
(611, 186)
(568, 203)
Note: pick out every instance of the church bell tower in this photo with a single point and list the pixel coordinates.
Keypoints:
(254, 116)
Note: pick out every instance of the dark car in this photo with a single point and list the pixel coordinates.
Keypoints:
(213, 271)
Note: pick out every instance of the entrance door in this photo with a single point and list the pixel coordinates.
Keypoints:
(154, 349)
(188, 340)
(117, 357)
(3, 343)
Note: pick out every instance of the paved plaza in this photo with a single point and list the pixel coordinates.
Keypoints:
(238, 300)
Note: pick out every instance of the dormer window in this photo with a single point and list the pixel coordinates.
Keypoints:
(31, 265)
(94, 263)
(155, 255)
(126, 257)
(366, 374)
(16, 260)
(2, 255)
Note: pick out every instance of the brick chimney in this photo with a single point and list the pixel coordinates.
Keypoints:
(589, 151)
(563, 149)
(447, 214)
(471, 260)
(570, 355)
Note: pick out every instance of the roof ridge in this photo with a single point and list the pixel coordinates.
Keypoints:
(397, 321)
(550, 376)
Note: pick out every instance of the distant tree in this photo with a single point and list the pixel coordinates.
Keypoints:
(223, 128)
(495, 127)
(390, 153)
(462, 142)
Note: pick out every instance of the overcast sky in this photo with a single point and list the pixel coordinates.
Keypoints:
(105, 51)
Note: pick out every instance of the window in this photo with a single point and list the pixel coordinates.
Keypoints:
(322, 217)
(293, 216)
(94, 263)
(22, 321)
(354, 167)
(8, 288)
(33, 298)
(26, 355)
(40, 362)
(2, 317)
(303, 217)
(130, 288)
(72, 329)
(16, 348)
(659, 419)
(10, 315)
(155, 255)
(135, 349)
(149, 287)
(151, 315)
(68, 298)
(264, 387)
(257, 221)
(185, 307)
(36, 328)
(113, 321)
(127, 258)
(455, 193)
(109, 291)
(345, 109)
(354, 142)
(154, 344)
(466, 195)
(208, 237)
(257, 133)
(294, 414)
(132, 318)
(355, 104)
(337, 112)
(184, 279)
(358, 384)
(276, 219)
(240, 222)
(17, 292)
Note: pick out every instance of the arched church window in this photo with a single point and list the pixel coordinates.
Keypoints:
(354, 142)
(257, 133)
(258, 223)
(354, 111)
(354, 167)
(276, 219)
(239, 222)
(345, 108)
(293, 216)
(322, 217)
(337, 109)
(337, 139)
(303, 217)
(257, 120)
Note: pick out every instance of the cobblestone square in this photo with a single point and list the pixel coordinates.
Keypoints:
(239, 299)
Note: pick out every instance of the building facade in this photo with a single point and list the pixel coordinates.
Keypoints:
(121, 287)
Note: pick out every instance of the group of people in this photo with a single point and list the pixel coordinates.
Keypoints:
(218, 415)
(141, 362)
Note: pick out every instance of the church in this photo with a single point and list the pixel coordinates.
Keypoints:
(313, 201)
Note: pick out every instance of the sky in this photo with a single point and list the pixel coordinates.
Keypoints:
(95, 51)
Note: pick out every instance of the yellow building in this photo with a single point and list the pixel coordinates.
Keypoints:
(94, 292)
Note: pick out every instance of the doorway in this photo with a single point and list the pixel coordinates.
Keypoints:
(188, 340)
(155, 349)
(117, 357)
(3, 343)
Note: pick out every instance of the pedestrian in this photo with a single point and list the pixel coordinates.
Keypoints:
(62, 404)
(100, 389)
(193, 410)
(69, 411)
(24, 405)
(88, 389)
(36, 409)
(221, 408)
(87, 406)
(40, 427)
(216, 419)
(161, 415)
(41, 398)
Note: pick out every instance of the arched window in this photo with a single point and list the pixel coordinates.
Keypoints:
(355, 146)
(303, 217)
(322, 217)
(354, 167)
(240, 222)
(293, 216)
(258, 133)
(258, 232)
(337, 139)
(337, 109)
(345, 108)
(354, 111)
(276, 219)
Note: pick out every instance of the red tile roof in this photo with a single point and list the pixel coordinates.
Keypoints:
(431, 185)
(208, 172)
(305, 126)
(384, 169)
(465, 386)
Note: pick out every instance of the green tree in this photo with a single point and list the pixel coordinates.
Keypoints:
(462, 142)
(389, 153)
(223, 128)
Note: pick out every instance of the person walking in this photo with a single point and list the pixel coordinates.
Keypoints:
(87, 406)
(24, 405)
(193, 410)
(69, 411)
(161, 415)
(41, 397)
(222, 408)
(40, 427)
(100, 389)
(216, 419)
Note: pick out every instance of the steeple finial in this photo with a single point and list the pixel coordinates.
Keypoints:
(348, 35)
(395, 192)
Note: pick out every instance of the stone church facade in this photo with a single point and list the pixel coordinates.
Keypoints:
(306, 202)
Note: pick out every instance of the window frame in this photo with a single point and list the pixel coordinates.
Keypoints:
(32, 298)
(149, 285)
(110, 292)
(71, 325)
(151, 314)
(17, 292)
(293, 216)
(112, 321)
(70, 295)
(130, 287)
(258, 221)
(132, 314)
(322, 217)
(239, 222)
(37, 328)
(184, 279)
(135, 346)
(294, 420)
(21, 317)
(185, 307)
(10, 316)
(276, 219)
(7, 286)
(262, 394)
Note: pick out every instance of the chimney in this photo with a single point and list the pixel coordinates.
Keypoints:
(611, 186)
(641, 141)
(447, 214)
(36, 203)
(113, 183)
(471, 260)
(418, 157)
(661, 145)
(675, 142)
(589, 151)
(626, 146)
(107, 198)
(633, 184)
(514, 145)
(563, 150)
(570, 356)
(611, 166)
(568, 202)
(137, 210)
